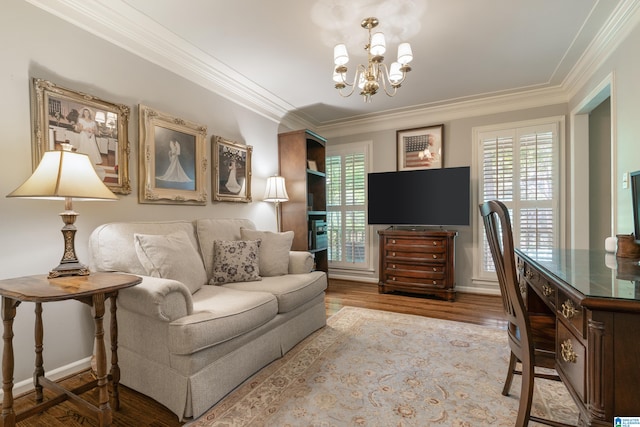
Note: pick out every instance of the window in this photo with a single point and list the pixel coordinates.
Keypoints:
(519, 166)
(347, 167)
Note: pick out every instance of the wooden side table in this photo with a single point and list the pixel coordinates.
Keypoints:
(92, 290)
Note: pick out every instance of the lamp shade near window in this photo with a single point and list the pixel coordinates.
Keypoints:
(65, 175)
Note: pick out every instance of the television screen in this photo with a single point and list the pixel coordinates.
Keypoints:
(426, 197)
(635, 195)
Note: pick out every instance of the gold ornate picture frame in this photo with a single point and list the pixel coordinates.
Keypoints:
(93, 126)
(232, 171)
(421, 148)
(173, 161)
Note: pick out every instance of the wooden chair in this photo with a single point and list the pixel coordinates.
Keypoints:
(531, 335)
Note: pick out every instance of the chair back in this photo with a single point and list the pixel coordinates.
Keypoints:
(497, 225)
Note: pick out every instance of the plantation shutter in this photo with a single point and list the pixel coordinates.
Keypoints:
(519, 167)
(346, 206)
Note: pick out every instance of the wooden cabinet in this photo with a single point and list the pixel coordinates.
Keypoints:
(302, 164)
(418, 261)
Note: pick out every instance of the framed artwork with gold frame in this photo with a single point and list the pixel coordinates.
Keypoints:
(172, 159)
(92, 126)
(232, 171)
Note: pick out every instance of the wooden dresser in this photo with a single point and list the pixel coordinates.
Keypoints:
(418, 261)
(598, 315)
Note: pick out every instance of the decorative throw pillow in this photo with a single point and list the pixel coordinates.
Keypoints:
(171, 256)
(235, 261)
(274, 250)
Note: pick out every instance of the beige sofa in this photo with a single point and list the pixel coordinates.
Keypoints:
(187, 343)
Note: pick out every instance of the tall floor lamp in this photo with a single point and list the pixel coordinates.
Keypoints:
(65, 175)
(276, 192)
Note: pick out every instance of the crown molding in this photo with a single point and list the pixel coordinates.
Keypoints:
(443, 112)
(124, 26)
(623, 20)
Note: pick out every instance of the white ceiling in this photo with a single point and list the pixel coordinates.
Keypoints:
(276, 56)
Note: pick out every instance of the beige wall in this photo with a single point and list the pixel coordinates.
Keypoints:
(36, 44)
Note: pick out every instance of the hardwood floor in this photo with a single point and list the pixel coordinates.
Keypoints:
(139, 410)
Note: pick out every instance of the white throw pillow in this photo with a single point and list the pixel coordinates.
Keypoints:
(235, 261)
(171, 256)
(274, 250)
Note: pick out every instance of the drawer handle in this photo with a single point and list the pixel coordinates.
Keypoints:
(393, 254)
(393, 279)
(567, 353)
(393, 266)
(528, 274)
(435, 243)
(568, 309)
(393, 241)
(435, 256)
(435, 269)
(434, 282)
(547, 290)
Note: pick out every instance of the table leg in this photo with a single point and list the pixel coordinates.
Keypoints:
(104, 417)
(39, 371)
(8, 314)
(115, 369)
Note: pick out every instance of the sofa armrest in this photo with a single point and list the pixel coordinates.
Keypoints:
(300, 262)
(164, 299)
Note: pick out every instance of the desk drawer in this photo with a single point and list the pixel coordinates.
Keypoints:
(545, 289)
(571, 312)
(570, 359)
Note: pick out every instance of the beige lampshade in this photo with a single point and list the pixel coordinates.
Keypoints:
(276, 190)
(64, 174)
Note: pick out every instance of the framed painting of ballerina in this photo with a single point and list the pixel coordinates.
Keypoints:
(173, 161)
(232, 171)
(88, 125)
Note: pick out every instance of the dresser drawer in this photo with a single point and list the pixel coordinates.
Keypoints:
(430, 268)
(570, 359)
(571, 312)
(433, 242)
(415, 254)
(409, 278)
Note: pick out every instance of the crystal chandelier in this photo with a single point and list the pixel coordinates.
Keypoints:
(369, 78)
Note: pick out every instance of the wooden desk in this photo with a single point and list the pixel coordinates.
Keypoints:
(597, 312)
(91, 290)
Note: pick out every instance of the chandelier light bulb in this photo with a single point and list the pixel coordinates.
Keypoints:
(340, 55)
(395, 73)
(378, 44)
(404, 53)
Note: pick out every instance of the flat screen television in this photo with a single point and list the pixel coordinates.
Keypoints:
(635, 195)
(429, 197)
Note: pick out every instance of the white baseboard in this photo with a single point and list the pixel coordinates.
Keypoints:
(25, 386)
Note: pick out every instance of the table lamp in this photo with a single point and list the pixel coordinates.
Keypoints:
(276, 192)
(65, 175)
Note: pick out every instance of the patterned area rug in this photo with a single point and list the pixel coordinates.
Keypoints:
(375, 368)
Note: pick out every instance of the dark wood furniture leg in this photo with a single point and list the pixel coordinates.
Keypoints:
(39, 371)
(104, 414)
(115, 369)
(8, 314)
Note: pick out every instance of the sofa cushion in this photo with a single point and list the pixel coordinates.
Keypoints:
(274, 250)
(291, 290)
(220, 314)
(210, 230)
(235, 261)
(111, 246)
(171, 256)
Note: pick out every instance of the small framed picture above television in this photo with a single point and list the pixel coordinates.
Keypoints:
(421, 148)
